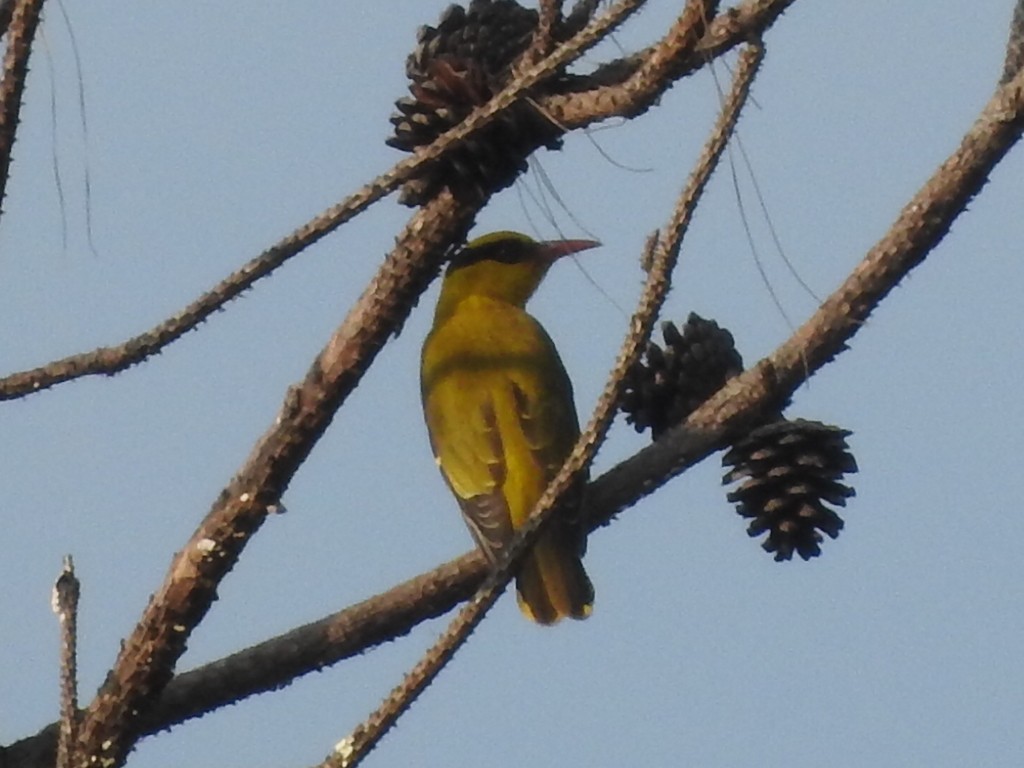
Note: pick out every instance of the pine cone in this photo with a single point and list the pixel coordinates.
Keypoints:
(670, 383)
(457, 66)
(791, 472)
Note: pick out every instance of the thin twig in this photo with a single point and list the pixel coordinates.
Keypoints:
(637, 86)
(66, 592)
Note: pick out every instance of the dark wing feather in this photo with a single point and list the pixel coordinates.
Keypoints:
(550, 428)
(487, 514)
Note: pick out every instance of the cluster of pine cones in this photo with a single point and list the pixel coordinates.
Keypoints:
(457, 66)
(790, 472)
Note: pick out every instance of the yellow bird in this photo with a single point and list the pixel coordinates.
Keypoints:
(499, 409)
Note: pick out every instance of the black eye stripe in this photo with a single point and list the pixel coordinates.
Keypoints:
(503, 251)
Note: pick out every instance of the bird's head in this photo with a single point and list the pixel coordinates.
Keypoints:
(506, 266)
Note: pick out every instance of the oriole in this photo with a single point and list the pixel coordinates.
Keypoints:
(499, 409)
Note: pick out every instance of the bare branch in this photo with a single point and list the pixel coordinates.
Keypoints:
(66, 592)
(630, 86)
(747, 20)
(20, 24)
(650, 74)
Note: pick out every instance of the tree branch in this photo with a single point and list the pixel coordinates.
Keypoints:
(629, 87)
(20, 22)
(66, 592)
(110, 360)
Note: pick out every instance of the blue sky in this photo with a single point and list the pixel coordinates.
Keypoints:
(212, 133)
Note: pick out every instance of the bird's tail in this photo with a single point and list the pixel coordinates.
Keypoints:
(552, 584)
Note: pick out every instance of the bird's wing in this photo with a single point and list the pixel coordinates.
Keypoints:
(546, 420)
(501, 422)
(467, 444)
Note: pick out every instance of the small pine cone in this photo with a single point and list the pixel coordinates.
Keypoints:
(457, 66)
(670, 383)
(791, 472)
